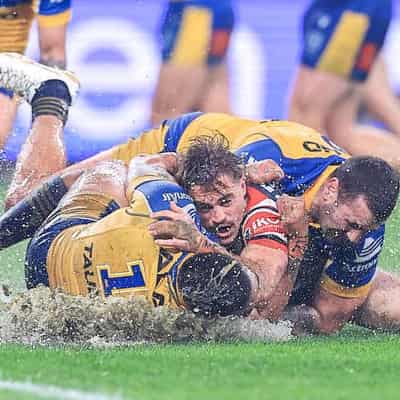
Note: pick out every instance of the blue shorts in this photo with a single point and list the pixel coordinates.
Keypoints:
(196, 32)
(344, 37)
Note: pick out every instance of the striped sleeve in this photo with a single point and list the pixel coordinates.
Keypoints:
(262, 226)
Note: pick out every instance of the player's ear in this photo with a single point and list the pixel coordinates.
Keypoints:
(243, 183)
(331, 190)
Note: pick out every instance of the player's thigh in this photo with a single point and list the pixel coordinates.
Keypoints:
(178, 90)
(216, 97)
(342, 117)
(314, 94)
(381, 309)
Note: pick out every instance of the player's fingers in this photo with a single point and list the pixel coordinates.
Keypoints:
(162, 228)
(264, 171)
(178, 244)
(273, 175)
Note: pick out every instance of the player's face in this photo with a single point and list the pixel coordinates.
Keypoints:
(351, 218)
(222, 209)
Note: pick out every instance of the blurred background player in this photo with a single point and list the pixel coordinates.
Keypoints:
(16, 18)
(193, 75)
(341, 46)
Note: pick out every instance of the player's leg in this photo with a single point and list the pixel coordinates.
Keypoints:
(380, 99)
(216, 96)
(361, 139)
(50, 92)
(186, 34)
(314, 95)
(177, 92)
(381, 309)
(8, 107)
(341, 42)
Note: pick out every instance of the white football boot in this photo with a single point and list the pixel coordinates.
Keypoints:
(24, 76)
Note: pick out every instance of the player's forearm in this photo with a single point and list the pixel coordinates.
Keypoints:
(277, 293)
(21, 221)
(297, 246)
(270, 268)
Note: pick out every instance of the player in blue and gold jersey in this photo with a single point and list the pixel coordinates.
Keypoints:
(96, 242)
(193, 76)
(16, 18)
(341, 47)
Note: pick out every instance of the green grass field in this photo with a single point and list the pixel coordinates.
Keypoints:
(356, 364)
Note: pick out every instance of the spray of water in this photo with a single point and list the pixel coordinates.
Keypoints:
(50, 317)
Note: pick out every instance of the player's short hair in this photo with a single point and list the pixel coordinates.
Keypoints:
(206, 159)
(214, 285)
(372, 178)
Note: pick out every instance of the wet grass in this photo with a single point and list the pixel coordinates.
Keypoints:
(352, 365)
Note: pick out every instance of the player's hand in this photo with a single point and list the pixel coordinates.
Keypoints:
(264, 171)
(175, 229)
(293, 214)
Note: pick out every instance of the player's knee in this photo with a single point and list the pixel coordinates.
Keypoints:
(214, 285)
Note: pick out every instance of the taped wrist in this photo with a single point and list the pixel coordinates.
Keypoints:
(50, 106)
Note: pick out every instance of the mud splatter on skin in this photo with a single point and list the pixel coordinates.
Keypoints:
(48, 317)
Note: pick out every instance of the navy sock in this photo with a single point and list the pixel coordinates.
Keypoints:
(51, 98)
(53, 88)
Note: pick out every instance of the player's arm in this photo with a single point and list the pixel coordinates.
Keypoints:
(22, 220)
(277, 248)
(344, 286)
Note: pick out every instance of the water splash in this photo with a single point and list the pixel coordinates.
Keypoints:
(47, 317)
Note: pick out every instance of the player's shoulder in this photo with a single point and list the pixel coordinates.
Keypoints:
(261, 196)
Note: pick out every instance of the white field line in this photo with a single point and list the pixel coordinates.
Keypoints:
(53, 392)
